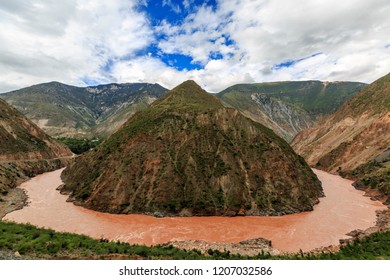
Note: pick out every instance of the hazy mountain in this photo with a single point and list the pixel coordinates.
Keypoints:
(288, 107)
(63, 110)
(187, 154)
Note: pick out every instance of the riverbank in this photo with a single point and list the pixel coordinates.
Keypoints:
(15, 172)
(19, 241)
(306, 231)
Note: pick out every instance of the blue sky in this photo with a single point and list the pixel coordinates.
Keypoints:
(217, 43)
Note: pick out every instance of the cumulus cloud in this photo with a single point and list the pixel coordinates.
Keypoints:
(66, 40)
(235, 41)
(349, 35)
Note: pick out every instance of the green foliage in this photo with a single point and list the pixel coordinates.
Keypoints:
(27, 239)
(374, 174)
(79, 146)
(46, 243)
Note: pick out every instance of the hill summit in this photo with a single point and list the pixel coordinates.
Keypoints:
(186, 154)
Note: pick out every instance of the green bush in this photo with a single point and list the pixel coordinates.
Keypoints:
(27, 239)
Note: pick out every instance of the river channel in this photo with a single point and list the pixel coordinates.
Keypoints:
(342, 210)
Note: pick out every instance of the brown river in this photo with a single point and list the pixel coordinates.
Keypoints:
(342, 210)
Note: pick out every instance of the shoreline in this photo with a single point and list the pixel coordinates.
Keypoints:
(261, 245)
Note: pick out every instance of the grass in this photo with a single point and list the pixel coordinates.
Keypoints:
(31, 241)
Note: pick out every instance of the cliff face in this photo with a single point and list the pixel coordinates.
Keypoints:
(357, 133)
(188, 155)
(283, 118)
(288, 107)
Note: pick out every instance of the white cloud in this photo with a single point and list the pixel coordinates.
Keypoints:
(200, 35)
(351, 35)
(66, 40)
(174, 7)
(71, 40)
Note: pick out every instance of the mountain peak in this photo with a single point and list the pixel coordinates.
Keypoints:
(189, 95)
(189, 83)
(189, 155)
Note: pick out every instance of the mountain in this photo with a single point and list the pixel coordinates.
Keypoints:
(63, 110)
(23, 140)
(357, 133)
(288, 107)
(187, 154)
(25, 150)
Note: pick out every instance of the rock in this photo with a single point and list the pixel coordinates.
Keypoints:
(251, 247)
(241, 212)
(357, 233)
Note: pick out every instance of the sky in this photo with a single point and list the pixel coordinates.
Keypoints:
(217, 43)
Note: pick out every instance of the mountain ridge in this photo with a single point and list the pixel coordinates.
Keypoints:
(64, 110)
(295, 105)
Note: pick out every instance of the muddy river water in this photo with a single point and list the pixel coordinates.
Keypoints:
(341, 211)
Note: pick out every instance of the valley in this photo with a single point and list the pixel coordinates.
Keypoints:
(186, 168)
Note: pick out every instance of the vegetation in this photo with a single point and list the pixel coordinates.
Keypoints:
(79, 146)
(375, 246)
(45, 243)
(379, 95)
(374, 174)
(33, 242)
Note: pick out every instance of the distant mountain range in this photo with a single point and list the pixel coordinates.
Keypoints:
(285, 107)
(288, 107)
(63, 110)
(187, 154)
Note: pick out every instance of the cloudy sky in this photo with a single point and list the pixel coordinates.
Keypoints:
(217, 43)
